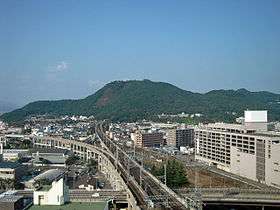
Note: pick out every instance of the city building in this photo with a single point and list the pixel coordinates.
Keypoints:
(14, 154)
(11, 202)
(11, 170)
(50, 156)
(248, 150)
(171, 137)
(49, 175)
(148, 139)
(56, 194)
(182, 137)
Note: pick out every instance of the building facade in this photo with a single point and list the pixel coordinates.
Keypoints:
(185, 137)
(171, 137)
(57, 194)
(240, 149)
(144, 139)
(11, 170)
(180, 137)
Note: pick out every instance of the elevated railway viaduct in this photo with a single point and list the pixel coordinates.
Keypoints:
(144, 191)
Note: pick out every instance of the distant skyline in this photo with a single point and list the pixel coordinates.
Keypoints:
(69, 49)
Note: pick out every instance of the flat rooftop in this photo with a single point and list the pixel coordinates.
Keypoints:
(72, 206)
(10, 198)
(227, 126)
(11, 165)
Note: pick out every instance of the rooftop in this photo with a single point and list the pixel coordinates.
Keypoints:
(51, 174)
(49, 150)
(46, 188)
(226, 126)
(270, 134)
(12, 165)
(72, 206)
(10, 198)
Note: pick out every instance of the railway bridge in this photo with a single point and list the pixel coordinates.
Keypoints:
(144, 191)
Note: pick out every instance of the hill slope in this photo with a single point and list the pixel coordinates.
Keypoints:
(131, 100)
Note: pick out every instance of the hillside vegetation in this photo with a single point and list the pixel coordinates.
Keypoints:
(132, 100)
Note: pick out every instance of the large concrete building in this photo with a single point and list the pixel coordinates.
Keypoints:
(171, 137)
(180, 137)
(148, 139)
(248, 150)
(11, 170)
(184, 137)
(14, 154)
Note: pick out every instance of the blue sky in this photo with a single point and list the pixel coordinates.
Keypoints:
(69, 49)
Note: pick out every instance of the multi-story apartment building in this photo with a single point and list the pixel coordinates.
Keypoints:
(184, 137)
(247, 150)
(171, 137)
(180, 137)
(146, 139)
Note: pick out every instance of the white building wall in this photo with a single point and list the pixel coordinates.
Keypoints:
(241, 149)
(272, 163)
(243, 164)
(57, 195)
(255, 116)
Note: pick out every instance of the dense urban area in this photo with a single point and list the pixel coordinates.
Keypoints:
(139, 105)
(78, 162)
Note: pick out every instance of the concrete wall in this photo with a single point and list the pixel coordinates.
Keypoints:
(255, 116)
(212, 162)
(242, 164)
(171, 137)
(272, 163)
(57, 195)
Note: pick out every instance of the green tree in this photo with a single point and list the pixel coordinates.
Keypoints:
(175, 173)
(72, 160)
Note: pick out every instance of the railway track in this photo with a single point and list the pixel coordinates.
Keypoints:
(148, 190)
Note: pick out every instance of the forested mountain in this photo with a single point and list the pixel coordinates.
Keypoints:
(132, 100)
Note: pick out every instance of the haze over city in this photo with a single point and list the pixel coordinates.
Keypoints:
(69, 49)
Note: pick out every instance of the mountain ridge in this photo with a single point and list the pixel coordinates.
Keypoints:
(138, 99)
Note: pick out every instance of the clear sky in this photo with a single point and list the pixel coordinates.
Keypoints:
(68, 49)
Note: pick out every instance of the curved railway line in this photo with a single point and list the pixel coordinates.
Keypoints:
(156, 194)
(149, 192)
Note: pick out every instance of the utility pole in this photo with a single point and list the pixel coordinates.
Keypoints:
(134, 151)
(117, 158)
(165, 179)
(195, 178)
(140, 171)
(128, 169)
